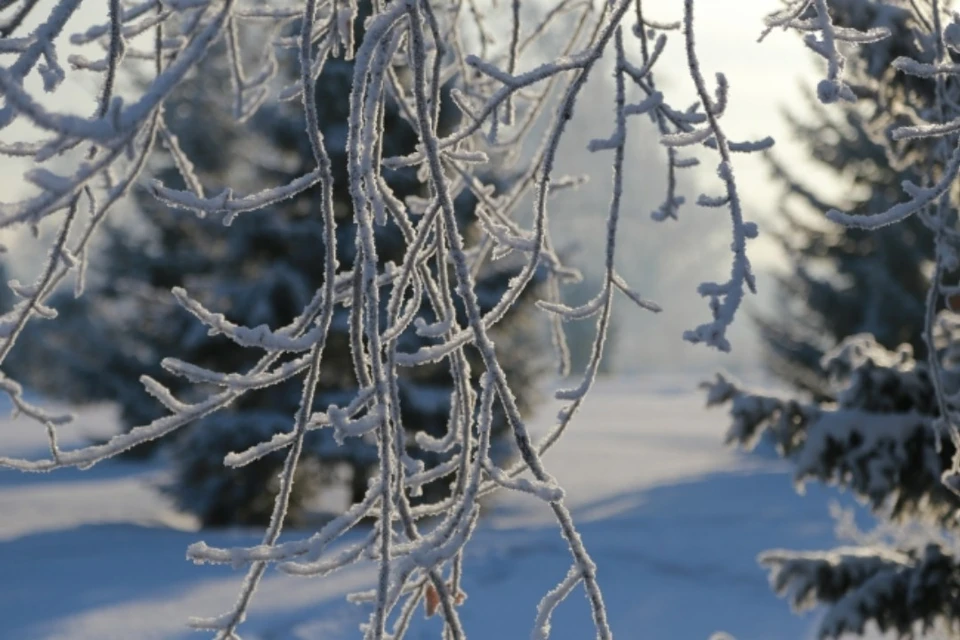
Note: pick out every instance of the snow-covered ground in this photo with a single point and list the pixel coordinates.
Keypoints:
(673, 519)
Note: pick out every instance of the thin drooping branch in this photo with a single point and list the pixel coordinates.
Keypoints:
(411, 57)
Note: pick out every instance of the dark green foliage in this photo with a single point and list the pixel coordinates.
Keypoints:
(263, 269)
(580, 334)
(846, 301)
(841, 282)
(879, 441)
(902, 592)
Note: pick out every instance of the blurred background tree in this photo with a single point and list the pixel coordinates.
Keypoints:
(263, 269)
(580, 334)
(874, 424)
(841, 281)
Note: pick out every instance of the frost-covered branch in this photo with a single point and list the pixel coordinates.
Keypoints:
(411, 58)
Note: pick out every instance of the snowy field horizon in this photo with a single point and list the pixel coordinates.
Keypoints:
(673, 518)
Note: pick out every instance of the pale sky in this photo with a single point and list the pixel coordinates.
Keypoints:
(763, 78)
(667, 260)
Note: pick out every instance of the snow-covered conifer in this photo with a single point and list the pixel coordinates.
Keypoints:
(880, 441)
(260, 271)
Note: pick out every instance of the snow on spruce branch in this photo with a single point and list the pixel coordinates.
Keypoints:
(934, 124)
(879, 440)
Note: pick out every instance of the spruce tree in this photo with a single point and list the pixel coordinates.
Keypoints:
(842, 281)
(261, 269)
(849, 327)
(881, 442)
